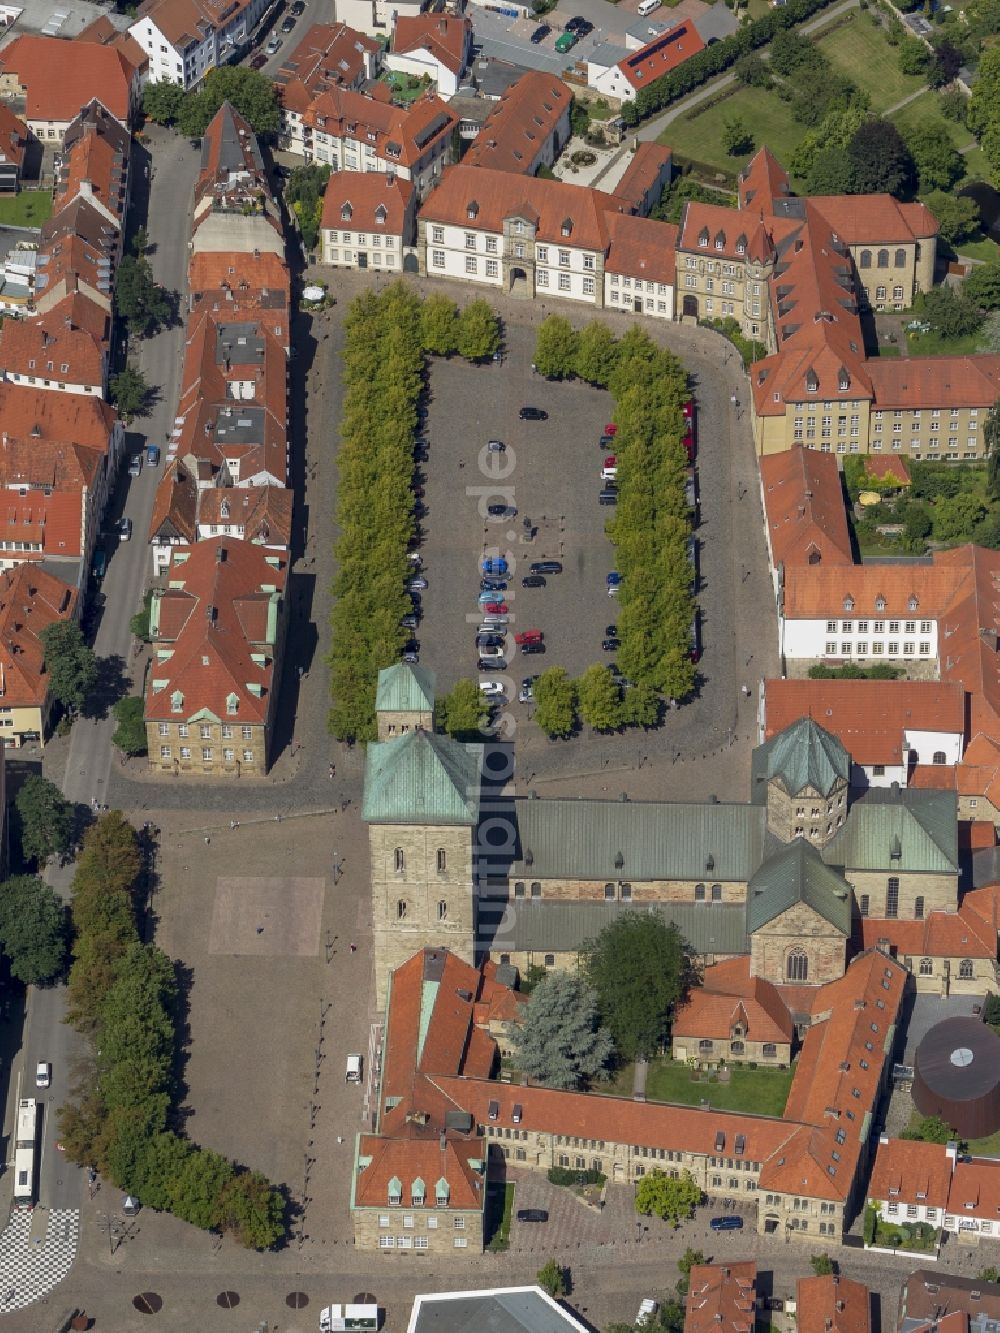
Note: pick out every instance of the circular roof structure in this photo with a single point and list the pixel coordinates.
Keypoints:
(957, 1076)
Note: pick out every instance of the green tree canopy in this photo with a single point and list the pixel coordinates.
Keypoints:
(130, 733)
(880, 160)
(162, 101)
(596, 354)
(639, 968)
(139, 300)
(463, 711)
(32, 929)
(304, 194)
(45, 819)
(551, 1277)
(555, 697)
(982, 286)
(929, 1129)
(822, 1265)
(599, 699)
(559, 1041)
(662, 1196)
(477, 333)
(556, 348)
(957, 216)
(250, 93)
(913, 56)
(439, 325)
(736, 137)
(130, 393)
(252, 1210)
(70, 663)
(951, 313)
(938, 162)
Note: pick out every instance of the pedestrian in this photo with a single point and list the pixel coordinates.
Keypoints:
(354, 948)
(333, 770)
(207, 839)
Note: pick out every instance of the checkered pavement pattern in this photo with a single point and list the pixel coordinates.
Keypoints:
(30, 1269)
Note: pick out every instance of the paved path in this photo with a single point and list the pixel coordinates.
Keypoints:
(905, 101)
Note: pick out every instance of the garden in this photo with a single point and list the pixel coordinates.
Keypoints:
(913, 1237)
(752, 1091)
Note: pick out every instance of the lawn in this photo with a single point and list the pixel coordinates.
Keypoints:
(30, 208)
(764, 114)
(861, 52)
(753, 1091)
(925, 110)
(933, 343)
(499, 1217)
(979, 247)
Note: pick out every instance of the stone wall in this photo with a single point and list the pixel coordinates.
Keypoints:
(636, 891)
(431, 1230)
(806, 813)
(798, 928)
(939, 892)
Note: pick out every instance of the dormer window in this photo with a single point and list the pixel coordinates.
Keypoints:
(843, 380)
(848, 603)
(176, 701)
(232, 704)
(913, 602)
(442, 1193)
(418, 1192)
(720, 240)
(381, 214)
(703, 237)
(812, 381)
(346, 213)
(395, 1191)
(880, 603)
(567, 226)
(472, 210)
(741, 245)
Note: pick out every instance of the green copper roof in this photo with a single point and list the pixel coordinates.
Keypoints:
(898, 831)
(804, 755)
(793, 875)
(564, 927)
(422, 778)
(613, 840)
(404, 689)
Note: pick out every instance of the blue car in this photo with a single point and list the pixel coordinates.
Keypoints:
(729, 1223)
(494, 565)
(614, 580)
(492, 585)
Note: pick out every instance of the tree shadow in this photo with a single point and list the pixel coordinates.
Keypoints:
(111, 685)
(180, 1112)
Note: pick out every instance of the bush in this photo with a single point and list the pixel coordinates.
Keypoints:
(564, 1175)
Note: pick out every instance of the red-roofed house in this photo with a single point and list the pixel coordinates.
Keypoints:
(527, 127)
(911, 1180)
(974, 1199)
(832, 1304)
(721, 1298)
(637, 70)
(217, 628)
(47, 81)
(436, 45)
(649, 170)
(732, 1018)
(329, 55)
(65, 350)
(805, 521)
(184, 39)
(948, 953)
(30, 600)
(13, 141)
(369, 218)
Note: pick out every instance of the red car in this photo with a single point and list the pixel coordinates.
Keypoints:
(529, 636)
(495, 608)
(611, 460)
(688, 409)
(611, 429)
(689, 446)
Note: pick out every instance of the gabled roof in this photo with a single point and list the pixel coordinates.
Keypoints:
(711, 1009)
(184, 21)
(53, 522)
(263, 514)
(863, 219)
(405, 689)
(445, 37)
(804, 508)
(797, 874)
(30, 600)
(934, 381)
(646, 166)
(521, 122)
(423, 778)
(329, 54)
(664, 53)
(721, 1298)
(457, 1165)
(763, 181)
(911, 1172)
(898, 831)
(60, 77)
(67, 344)
(832, 1304)
(805, 756)
(396, 134)
(961, 934)
(38, 414)
(370, 201)
(641, 248)
(13, 136)
(174, 505)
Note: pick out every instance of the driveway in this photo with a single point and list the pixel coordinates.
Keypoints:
(929, 1010)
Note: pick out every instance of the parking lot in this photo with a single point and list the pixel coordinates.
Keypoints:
(550, 473)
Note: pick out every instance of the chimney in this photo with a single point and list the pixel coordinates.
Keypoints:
(442, 26)
(951, 1152)
(443, 1141)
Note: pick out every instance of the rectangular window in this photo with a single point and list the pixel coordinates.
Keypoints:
(564, 282)
(437, 258)
(542, 277)
(491, 245)
(564, 259)
(492, 268)
(437, 235)
(470, 240)
(471, 264)
(588, 287)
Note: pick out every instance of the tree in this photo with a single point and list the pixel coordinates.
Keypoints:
(639, 968)
(551, 1277)
(991, 439)
(662, 1196)
(464, 711)
(929, 1129)
(688, 1260)
(556, 348)
(641, 706)
(752, 70)
(917, 521)
(790, 51)
(70, 663)
(477, 335)
(989, 334)
(140, 241)
(951, 313)
(938, 162)
(559, 1040)
(988, 1275)
(822, 1265)
(982, 286)
(957, 217)
(596, 354)
(946, 63)
(831, 172)
(45, 819)
(248, 92)
(555, 697)
(253, 1210)
(130, 733)
(32, 929)
(438, 321)
(736, 138)
(913, 56)
(130, 393)
(579, 118)
(162, 101)
(304, 195)
(954, 105)
(599, 699)
(880, 160)
(982, 108)
(139, 299)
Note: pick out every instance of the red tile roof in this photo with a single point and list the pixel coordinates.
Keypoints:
(67, 344)
(374, 201)
(763, 181)
(446, 38)
(661, 55)
(961, 934)
(911, 1172)
(263, 514)
(60, 77)
(820, 593)
(645, 167)
(39, 414)
(804, 508)
(183, 21)
(402, 135)
(721, 1298)
(104, 32)
(733, 996)
(48, 464)
(832, 1304)
(242, 273)
(13, 136)
(977, 1182)
(891, 466)
(54, 523)
(381, 1160)
(219, 619)
(868, 716)
(935, 381)
(30, 600)
(525, 117)
(641, 248)
(872, 219)
(329, 55)
(93, 167)
(175, 505)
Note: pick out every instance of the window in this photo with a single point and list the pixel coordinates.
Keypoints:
(609, 892)
(883, 261)
(246, 733)
(519, 888)
(866, 259)
(401, 909)
(491, 245)
(564, 282)
(797, 965)
(716, 893)
(918, 908)
(442, 910)
(927, 967)
(940, 757)
(492, 268)
(900, 263)
(442, 860)
(470, 240)
(770, 1050)
(471, 264)
(588, 288)
(699, 893)
(399, 861)
(206, 754)
(892, 896)
(437, 258)
(542, 278)
(248, 756)
(965, 969)
(550, 960)
(536, 889)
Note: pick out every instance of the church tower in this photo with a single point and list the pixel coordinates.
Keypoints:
(807, 771)
(421, 805)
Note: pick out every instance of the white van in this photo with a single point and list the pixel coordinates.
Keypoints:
(648, 6)
(353, 1069)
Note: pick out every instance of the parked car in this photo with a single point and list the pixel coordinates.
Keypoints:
(416, 583)
(489, 640)
(584, 28)
(496, 447)
(528, 636)
(572, 24)
(494, 564)
(43, 1074)
(273, 46)
(124, 529)
(607, 441)
(565, 42)
(492, 585)
(533, 647)
(611, 631)
(501, 511)
(493, 689)
(540, 34)
(288, 23)
(153, 454)
(611, 429)
(99, 563)
(695, 638)
(495, 608)
(409, 622)
(420, 453)
(410, 658)
(492, 664)
(534, 413)
(608, 495)
(527, 691)
(611, 645)
(258, 61)
(491, 652)
(298, 8)
(532, 1215)
(728, 1223)
(614, 583)
(135, 465)
(532, 581)
(545, 567)
(415, 558)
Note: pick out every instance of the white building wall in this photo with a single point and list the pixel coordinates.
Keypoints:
(655, 299)
(865, 640)
(928, 743)
(895, 1210)
(864, 775)
(419, 63)
(375, 16)
(342, 248)
(609, 81)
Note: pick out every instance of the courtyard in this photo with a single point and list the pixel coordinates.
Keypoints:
(739, 1088)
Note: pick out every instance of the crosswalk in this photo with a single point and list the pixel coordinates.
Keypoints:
(30, 1268)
